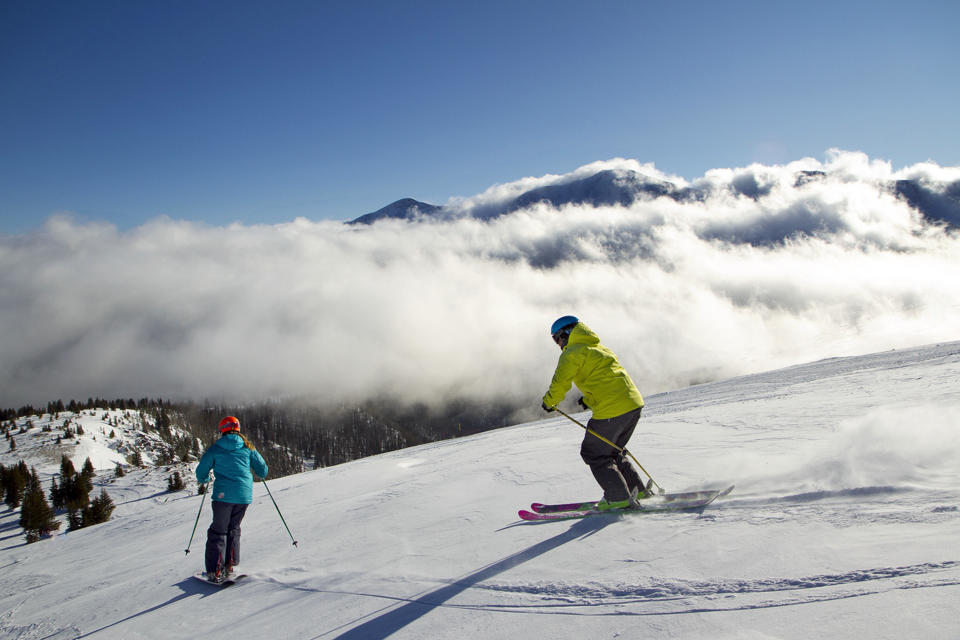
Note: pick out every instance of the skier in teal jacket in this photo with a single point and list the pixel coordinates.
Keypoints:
(231, 458)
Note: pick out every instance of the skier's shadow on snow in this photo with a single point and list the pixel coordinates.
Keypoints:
(189, 586)
(391, 621)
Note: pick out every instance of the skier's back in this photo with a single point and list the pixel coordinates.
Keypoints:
(616, 403)
(231, 458)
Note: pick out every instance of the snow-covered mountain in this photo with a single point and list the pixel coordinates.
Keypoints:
(599, 186)
(844, 523)
(404, 209)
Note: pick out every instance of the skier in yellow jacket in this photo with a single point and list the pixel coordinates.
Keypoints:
(614, 400)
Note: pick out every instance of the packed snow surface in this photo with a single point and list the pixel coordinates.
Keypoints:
(845, 522)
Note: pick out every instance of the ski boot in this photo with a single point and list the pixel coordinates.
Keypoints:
(217, 576)
(616, 505)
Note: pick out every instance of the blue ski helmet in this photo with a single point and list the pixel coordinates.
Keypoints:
(562, 323)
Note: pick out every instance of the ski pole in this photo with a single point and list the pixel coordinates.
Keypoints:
(620, 449)
(199, 511)
(278, 512)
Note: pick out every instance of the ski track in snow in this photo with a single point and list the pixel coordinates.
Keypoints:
(691, 596)
(664, 596)
(888, 505)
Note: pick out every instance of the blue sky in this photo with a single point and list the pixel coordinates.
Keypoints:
(260, 112)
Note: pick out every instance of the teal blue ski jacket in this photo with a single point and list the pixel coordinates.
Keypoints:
(231, 458)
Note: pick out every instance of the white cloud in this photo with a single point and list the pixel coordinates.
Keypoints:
(683, 291)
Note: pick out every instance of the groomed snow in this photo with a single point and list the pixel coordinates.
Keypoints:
(845, 523)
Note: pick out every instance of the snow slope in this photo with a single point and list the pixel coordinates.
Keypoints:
(845, 523)
(108, 437)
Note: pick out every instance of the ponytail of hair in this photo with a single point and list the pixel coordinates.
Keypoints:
(246, 442)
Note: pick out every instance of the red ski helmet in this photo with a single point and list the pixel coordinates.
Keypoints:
(229, 424)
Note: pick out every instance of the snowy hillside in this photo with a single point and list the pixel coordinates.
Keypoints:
(845, 523)
(107, 436)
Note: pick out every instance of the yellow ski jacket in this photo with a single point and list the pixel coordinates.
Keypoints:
(607, 388)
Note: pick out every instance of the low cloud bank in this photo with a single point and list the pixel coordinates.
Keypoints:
(752, 269)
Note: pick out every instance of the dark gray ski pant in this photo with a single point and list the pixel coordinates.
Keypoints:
(613, 472)
(223, 536)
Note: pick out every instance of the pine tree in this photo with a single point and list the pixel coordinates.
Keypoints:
(118, 472)
(175, 483)
(66, 468)
(76, 494)
(163, 425)
(15, 485)
(74, 518)
(37, 517)
(87, 474)
(99, 510)
(56, 494)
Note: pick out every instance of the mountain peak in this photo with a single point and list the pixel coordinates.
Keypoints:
(403, 209)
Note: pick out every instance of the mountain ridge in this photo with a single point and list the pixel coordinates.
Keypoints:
(625, 187)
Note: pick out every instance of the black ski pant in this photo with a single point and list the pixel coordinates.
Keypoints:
(613, 472)
(223, 536)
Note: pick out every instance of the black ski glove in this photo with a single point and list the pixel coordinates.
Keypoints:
(583, 404)
(546, 408)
